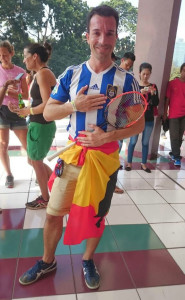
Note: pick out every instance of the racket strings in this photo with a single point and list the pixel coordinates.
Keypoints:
(125, 109)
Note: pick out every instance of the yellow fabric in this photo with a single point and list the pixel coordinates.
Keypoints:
(94, 175)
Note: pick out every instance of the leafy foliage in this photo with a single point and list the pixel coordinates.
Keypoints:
(175, 72)
(62, 23)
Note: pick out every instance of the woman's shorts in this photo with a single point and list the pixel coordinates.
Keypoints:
(63, 191)
(11, 120)
(39, 139)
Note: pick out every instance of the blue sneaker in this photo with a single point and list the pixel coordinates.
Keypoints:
(38, 270)
(177, 162)
(171, 156)
(91, 275)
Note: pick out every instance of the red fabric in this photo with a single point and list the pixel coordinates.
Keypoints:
(51, 180)
(82, 225)
(176, 94)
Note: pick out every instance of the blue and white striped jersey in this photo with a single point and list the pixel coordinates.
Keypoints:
(75, 77)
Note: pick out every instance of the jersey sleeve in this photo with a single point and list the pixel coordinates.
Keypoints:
(61, 91)
(131, 84)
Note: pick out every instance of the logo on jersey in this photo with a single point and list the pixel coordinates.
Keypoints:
(111, 91)
(94, 87)
(55, 90)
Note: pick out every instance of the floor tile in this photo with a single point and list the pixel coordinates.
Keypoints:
(135, 237)
(7, 275)
(110, 295)
(135, 184)
(129, 174)
(10, 243)
(34, 218)
(178, 255)
(173, 196)
(162, 184)
(13, 200)
(170, 234)
(60, 297)
(121, 199)
(107, 244)
(153, 268)
(58, 282)
(153, 174)
(32, 244)
(163, 293)
(114, 275)
(125, 214)
(20, 186)
(180, 208)
(145, 197)
(175, 173)
(159, 213)
(12, 219)
(181, 182)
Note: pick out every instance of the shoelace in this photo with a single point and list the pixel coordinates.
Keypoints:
(90, 268)
(37, 267)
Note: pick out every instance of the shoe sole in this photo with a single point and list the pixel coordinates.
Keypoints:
(39, 276)
(92, 288)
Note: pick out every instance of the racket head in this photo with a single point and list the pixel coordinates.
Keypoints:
(125, 109)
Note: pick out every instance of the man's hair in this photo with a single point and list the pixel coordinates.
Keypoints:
(129, 55)
(182, 66)
(103, 11)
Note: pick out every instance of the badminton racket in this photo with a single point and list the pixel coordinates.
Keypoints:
(121, 112)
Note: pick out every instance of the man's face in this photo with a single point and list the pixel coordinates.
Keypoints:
(126, 64)
(183, 74)
(102, 36)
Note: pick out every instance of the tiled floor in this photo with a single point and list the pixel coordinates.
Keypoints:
(141, 254)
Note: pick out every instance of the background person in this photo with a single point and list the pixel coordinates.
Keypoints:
(127, 61)
(40, 132)
(149, 90)
(175, 101)
(9, 120)
(96, 153)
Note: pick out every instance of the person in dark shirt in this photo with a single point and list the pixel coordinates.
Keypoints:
(150, 92)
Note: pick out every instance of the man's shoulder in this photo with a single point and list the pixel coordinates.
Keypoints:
(70, 70)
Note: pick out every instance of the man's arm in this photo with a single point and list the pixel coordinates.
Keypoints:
(56, 110)
(166, 104)
(98, 137)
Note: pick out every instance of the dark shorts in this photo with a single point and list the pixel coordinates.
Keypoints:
(39, 139)
(11, 120)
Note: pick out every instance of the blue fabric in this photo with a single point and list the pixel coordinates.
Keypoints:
(76, 77)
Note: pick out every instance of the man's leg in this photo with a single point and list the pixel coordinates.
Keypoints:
(52, 234)
(91, 246)
(174, 137)
(91, 275)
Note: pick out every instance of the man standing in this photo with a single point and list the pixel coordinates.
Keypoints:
(175, 100)
(85, 188)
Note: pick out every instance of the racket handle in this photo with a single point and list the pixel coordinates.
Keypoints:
(51, 157)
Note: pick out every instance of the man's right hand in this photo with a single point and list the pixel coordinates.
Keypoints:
(86, 103)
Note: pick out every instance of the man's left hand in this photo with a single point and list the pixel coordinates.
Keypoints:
(94, 138)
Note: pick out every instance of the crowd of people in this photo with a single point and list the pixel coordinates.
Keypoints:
(94, 158)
